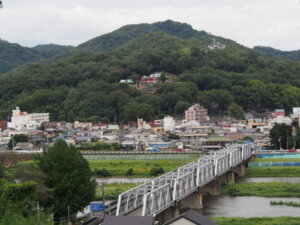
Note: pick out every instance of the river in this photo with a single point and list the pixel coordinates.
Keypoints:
(247, 206)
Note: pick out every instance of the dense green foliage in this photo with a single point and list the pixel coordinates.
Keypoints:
(13, 216)
(51, 50)
(273, 172)
(110, 41)
(68, 173)
(86, 86)
(263, 189)
(20, 196)
(156, 171)
(282, 134)
(292, 55)
(13, 55)
(258, 221)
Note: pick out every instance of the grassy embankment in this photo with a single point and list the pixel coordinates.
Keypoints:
(293, 204)
(273, 172)
(141, 168)
(258, 221)
(111, 191)
(276, 160)
(263, 189)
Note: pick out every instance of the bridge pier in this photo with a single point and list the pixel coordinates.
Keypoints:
(240, 170)
(192, 201)
(168, 214)
(213, 188)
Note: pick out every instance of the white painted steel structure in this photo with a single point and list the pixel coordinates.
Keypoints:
(164, 191)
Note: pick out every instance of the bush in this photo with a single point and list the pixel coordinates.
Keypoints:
(103, 173)
(129, 172)
(156, 171)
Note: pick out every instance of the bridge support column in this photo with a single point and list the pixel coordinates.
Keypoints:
(168, 214)
(240, 170)
(230, 177)
(192, 201)
(213, 188)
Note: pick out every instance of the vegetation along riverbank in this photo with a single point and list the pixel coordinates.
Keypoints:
(264, 189)
(273, 172)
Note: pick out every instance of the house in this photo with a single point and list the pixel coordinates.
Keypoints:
(126, 81)
(216, 142)
(190, 217)
(128, 220)
(24, 146)
(3, 125)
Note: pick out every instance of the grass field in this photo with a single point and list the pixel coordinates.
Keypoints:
(273, 172)
(111, 191)
(264, 189)
(276, 160)
(141, 168)
(144, 157)
(258, 221)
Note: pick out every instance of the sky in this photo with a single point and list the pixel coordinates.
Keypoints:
(274, 23)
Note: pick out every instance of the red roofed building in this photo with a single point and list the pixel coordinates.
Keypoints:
(3, 125)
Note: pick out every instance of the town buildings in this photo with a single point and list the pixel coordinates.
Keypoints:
(26, 121)
(196, 113)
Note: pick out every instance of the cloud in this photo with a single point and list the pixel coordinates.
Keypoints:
(273, 23)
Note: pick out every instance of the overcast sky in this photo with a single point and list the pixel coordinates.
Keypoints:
(274, 23)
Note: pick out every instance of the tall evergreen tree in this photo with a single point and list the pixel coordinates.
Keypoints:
(69, 174)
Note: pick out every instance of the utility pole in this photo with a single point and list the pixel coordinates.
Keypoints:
(287, 140)
(68, 214)
(103, 198)
(294, 137)
(38, 211)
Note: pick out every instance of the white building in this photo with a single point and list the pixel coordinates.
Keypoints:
(169, 124)
(25, 121)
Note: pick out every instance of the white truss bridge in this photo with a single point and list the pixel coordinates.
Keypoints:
(151, 198)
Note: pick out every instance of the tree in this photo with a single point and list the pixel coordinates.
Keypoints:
(163, 78)
(236, 111)
(69, 174)
(280, 134)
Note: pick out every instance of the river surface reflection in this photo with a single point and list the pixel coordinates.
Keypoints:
(270, 179)
(247, 206)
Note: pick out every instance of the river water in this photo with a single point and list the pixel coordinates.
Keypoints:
(247, 206)
(251, 206)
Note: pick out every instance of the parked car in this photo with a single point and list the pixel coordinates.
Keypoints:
(292, 150)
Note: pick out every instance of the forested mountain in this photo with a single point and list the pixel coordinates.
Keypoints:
(86, 86)
(50, 50)
(272, 52)
(13, 55)
(108, 42)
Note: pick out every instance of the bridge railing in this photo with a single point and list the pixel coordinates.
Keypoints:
(158, 200)
(133, 198)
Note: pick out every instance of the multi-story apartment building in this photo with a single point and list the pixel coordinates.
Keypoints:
(196, 113)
